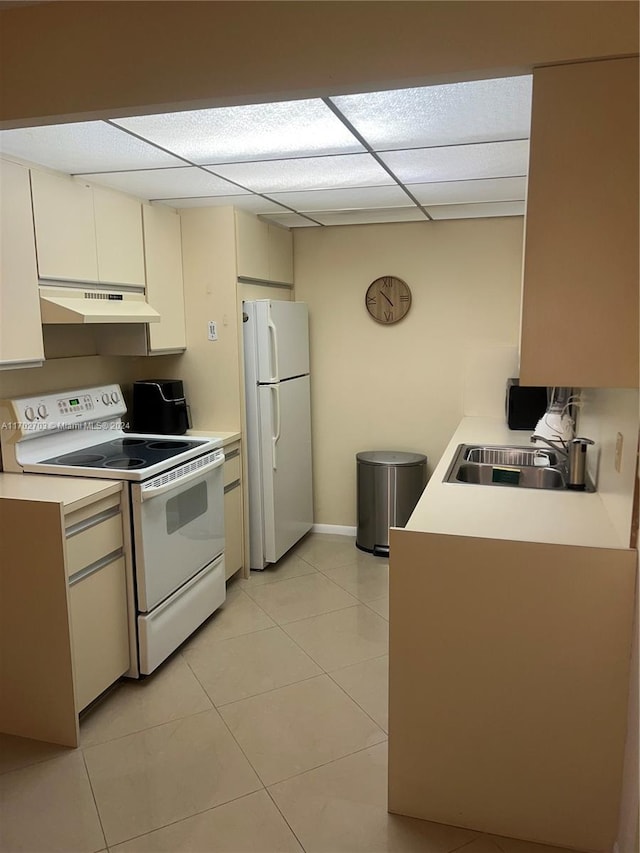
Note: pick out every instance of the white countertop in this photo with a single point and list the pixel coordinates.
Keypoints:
(499, 512)
(225, 438)
(72, 492)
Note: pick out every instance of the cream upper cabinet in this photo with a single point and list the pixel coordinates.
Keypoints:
(119, 244)
(165, 289)
(264, 252)
(580, 288)
(20, 327)
(65, 228)
(86, 234)
(280, 254)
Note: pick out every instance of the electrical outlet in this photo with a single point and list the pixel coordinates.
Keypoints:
(618, 457)
(212, 330)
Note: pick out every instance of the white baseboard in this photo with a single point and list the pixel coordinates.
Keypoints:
(337, 529)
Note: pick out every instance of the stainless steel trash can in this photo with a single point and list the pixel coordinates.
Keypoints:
(389, 484)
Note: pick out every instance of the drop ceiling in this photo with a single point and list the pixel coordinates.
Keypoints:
(449, 151)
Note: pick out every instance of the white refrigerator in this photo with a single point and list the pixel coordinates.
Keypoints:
(278, 411)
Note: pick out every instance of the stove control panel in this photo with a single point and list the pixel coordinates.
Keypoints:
(67, 410)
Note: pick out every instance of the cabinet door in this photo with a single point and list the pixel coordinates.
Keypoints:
(252, 246)
(580, 295)
(233, 527)
(119, 245)
(165, 288)
(65, 229)
(20, 328)
(100, 634)
(280, 254)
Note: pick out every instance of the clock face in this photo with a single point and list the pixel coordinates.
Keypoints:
(388, 299)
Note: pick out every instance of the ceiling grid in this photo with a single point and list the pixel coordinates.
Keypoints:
(449, 151)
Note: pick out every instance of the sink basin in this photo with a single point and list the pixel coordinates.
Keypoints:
(504, 465)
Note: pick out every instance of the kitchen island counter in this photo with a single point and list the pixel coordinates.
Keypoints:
(559, 517)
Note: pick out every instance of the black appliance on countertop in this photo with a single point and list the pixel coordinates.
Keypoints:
(159, 406)
(524, 404)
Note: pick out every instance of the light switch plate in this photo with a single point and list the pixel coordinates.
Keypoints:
(212, 330)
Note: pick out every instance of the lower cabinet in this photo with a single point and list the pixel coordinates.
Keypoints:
(64, 620)
(97, 597)
(233, 524)
(508, 685)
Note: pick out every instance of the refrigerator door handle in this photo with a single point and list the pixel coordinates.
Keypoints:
(275, 389)
(273, 337)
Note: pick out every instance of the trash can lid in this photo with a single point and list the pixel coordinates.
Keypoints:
(391, 457)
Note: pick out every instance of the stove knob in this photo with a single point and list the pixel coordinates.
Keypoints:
(115, 396)
(105, 399)
(42, 411)
(29, 413)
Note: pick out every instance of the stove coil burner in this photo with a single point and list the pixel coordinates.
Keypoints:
(81, 459)
(125, 462)
(166, 445)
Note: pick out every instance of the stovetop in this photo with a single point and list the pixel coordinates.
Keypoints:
(125, 454)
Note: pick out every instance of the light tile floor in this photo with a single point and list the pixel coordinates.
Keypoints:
(265, 733)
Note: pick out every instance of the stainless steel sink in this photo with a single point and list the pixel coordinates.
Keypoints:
(503, 465)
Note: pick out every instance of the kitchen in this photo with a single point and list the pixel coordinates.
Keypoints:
(443, 392)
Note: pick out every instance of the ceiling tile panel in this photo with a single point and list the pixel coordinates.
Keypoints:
(459, 162)
(453, 192)
(166, 183)
(90, 146)
(343, 199)
(367, 217)
(307, 173)
(252, 203)
(290, 220)
(477, 111)
(473, 211)
(254, 132)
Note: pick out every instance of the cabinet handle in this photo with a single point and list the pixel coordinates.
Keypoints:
(232, 454)
(230, 486)
(95, 567)
(86, 523)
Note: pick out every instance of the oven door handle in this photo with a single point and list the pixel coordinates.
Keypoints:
(147, 492)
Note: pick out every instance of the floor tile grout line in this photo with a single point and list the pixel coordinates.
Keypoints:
(95, 799)
(285, 819)
(364, 711)
(327, 763)
(189, 816)
(323, 613)
(327, 671)
(84, 747)
(356, 663)
(65, 750)
(266, 692)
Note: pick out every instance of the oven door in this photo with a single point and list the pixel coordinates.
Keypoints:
(178, 526)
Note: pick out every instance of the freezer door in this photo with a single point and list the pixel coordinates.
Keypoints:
(282, 336)
(285, 427)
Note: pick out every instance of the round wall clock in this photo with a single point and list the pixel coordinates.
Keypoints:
(388, 299)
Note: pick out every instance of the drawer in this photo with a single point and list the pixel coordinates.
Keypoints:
(92, 539)
(231, 468)
(99, 630)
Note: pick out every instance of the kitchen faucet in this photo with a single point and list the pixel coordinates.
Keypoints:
(574, 453)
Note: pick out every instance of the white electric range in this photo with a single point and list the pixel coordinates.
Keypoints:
(175, 487)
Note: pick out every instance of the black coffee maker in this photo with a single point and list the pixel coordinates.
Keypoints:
(159, 406)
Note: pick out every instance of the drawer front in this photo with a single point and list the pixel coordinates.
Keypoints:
(93, 542)
(95, 509)
(99, 630)
(231, 468)
(233, 531)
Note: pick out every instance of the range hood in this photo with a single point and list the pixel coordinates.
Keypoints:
(76, 305)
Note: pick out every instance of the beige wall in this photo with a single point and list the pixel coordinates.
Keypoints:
(402, 387)
(127, 58)
(605, 413)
